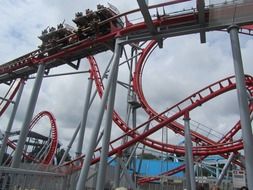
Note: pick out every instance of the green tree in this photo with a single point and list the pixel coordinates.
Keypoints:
(59, 155)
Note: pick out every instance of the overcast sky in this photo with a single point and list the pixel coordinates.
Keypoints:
(181, 68)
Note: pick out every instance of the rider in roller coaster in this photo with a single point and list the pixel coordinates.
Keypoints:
(88, 27)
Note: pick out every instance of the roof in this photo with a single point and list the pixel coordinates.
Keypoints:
(156, 167)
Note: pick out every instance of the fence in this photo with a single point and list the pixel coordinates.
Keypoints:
(22, 179)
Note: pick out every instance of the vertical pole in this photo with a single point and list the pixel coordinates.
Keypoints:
(217, 169)
(128, 113)
(225, 168)
(84, 118)
(243, 104)
(107, 134)
(10, 123)
(91, 146)
(28, 117)
(188, 150)
(127, 176)
(187, 174)
(130, 158)
(143, 148)
(134, 150)
(134, 120)
(70, 145)
(117, 172)
(94, 181)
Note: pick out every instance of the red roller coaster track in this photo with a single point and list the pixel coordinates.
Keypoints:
(213, 148)
(10, 94)
(24, 66)
(53, 139)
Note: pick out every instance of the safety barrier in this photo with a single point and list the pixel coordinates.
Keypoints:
(17, 179)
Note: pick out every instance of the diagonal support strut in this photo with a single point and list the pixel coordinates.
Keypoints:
(148, 20)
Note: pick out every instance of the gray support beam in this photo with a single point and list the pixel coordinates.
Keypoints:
(99, 137)
(225, 168)
(44, 148)
(201, 18)
(117, 172)
(70, 144)
(107, 133)
(143, 149)
(10, 123)
(28, 117)
(132, 155)
(133, 160)
(130, 65)
(147, 17)
(133, 152)
(243, 104)
(94, 176)
(217, 169)
(130, 159)
(92, 144)
(187, 173)
(84, 118)
(96, 171)
(148, 20)
(127, 176)
(188, 152)
(45, 151)
(105, 74)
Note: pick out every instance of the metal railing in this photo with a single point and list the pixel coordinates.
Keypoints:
(19, 179)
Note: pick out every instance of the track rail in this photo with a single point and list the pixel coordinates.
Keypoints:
(54, 138)
(175, 126)
(9, 96)
(180, 109)
(213, 90)
(54, 134)
(172, 25)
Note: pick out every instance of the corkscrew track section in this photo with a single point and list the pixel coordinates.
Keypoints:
(193, 101)
(53, 138)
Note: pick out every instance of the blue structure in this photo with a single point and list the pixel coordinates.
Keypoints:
(156, 167)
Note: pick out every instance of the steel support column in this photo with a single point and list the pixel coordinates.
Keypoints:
(107, 133)
(92, 144)
(11, 120)
(28, 117)
(188, 152)
(187, 174)
(70, 144)
(217, 169)
(84, 118)
(130, 62)
(148, 20)
(127, 176)
(201, 19)
(117, 172)
(134, 113)
(225, 168)
(243, 103)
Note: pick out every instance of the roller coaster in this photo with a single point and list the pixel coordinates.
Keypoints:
(107, 30)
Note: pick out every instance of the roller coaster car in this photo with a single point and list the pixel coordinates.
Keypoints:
(88, 24)
(53, 39)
